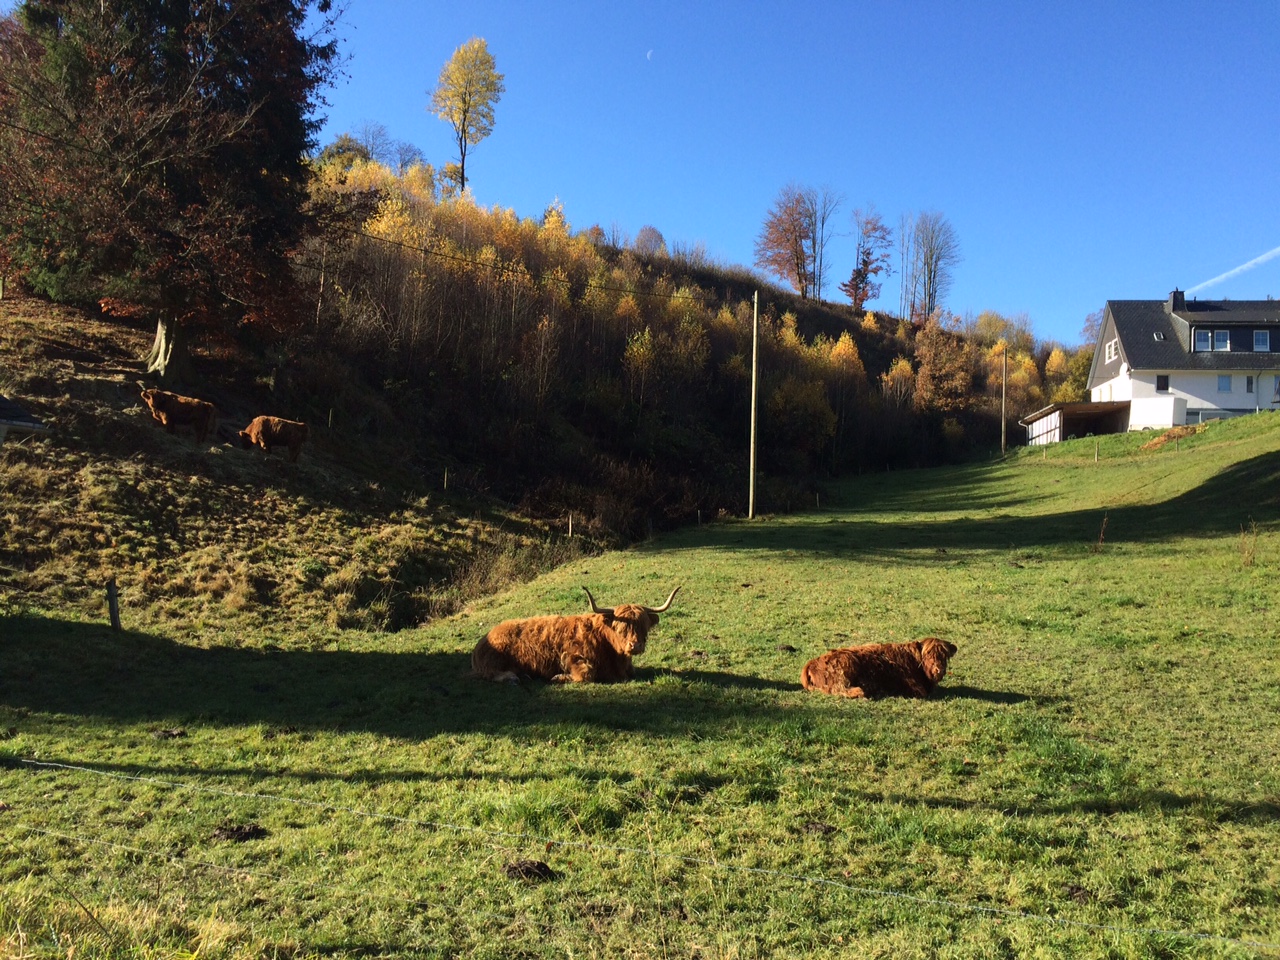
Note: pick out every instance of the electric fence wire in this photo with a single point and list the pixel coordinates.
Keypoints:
(348, 892)
(858, 889)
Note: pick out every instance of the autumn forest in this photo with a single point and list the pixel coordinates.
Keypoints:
(559, 366)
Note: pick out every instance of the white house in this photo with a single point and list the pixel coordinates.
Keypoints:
(1178, 361)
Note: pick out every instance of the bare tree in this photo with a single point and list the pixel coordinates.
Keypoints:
(822, 205)
(407, 155)
(650, 242)
(1092, 328)
(908, 267)
(938, 251)
(376, 138)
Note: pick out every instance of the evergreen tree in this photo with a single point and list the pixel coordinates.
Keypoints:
(153, 154)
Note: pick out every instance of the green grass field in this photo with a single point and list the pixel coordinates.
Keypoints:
(1097, 776)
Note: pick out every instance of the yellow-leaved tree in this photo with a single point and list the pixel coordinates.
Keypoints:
(463, 97)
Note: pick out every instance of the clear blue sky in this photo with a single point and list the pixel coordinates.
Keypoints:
(1082, 151)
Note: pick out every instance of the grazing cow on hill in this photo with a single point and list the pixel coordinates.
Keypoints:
(268, 432)
(587, 647)
(880, 669)
(173, 410)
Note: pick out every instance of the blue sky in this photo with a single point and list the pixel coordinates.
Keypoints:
(1082, 151)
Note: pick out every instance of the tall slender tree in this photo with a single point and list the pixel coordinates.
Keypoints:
(822, 205)
(152, 153)
(464, 96)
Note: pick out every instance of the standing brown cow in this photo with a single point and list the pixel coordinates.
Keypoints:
(587, 647)
(174, 410)
(268, 432)
(880, 669)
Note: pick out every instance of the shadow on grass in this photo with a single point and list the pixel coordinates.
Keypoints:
(1242, 493)
(961, 692)
(87, 670)
(722, 680)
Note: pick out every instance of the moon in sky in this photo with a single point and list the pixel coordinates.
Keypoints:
(649, 55)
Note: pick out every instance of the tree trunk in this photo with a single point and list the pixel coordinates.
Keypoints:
(170, 357)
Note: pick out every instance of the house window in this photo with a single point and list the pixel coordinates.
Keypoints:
(1113, 349)
(1222, 339)
(1204, 339)
(1248, 384)
(1224, 383)
(1262, 341)
(1162, 383)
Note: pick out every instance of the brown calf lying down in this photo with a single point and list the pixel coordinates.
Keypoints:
(587, 647)
(177, 411)
(268, 432)
(880, 669)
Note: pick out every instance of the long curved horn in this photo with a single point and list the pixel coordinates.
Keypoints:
(607, 611)
(665, 606)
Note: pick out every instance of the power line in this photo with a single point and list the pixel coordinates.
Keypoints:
(505, 268)
(939, 902)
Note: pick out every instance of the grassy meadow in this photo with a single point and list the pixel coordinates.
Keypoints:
(1096, 777)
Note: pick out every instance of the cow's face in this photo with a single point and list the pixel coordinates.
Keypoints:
(934, 655)
(246, 441)
(149, 397)
(632, 624)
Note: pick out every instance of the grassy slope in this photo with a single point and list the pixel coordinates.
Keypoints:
(1099, 767)
(198, 537)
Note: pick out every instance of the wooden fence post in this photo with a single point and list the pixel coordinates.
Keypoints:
(113, 603)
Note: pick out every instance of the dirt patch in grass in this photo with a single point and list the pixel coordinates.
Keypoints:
(1172, 434)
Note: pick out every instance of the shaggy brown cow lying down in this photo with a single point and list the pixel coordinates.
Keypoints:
(268, 432)
(174, 410)
(880, 669)
(587, 647)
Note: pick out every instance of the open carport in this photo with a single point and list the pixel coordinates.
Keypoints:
(1065, 421)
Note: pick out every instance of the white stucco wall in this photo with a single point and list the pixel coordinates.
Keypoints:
(1200, 390)
(1117, 388)
(1193, 394)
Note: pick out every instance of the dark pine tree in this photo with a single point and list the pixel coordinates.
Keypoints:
(153, 154)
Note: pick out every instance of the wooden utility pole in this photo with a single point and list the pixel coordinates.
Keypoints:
(1004, 379)
(755, 365)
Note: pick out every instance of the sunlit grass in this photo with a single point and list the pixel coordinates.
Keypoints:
(1096, 776)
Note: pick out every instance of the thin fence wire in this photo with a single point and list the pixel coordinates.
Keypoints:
(264, 875)
(715, 864)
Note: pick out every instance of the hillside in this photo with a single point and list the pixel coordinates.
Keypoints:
(360, 532)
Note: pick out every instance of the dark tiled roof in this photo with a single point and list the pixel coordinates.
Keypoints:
(1138, 322)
